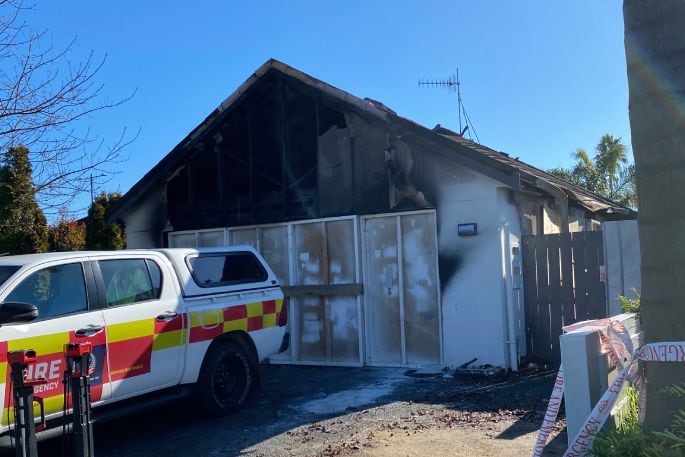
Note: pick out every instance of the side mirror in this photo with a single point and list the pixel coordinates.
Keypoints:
(11, 312)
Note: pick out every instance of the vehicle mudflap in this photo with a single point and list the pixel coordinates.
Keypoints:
(285, 343)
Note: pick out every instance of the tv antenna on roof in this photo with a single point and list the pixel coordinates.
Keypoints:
(452, 84)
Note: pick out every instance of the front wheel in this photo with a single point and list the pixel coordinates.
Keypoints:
(225, 379)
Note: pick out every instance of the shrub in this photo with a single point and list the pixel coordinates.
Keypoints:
(67, 235)
(630, 439)
(630, 305)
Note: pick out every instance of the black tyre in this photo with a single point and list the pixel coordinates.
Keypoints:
(225, 379)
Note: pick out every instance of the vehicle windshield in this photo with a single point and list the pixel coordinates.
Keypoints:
(6, 271)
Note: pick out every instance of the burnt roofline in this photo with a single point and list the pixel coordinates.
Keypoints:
(495, 164)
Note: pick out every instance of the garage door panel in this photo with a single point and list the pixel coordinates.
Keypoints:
(401, 290)
(312, 335)
(381, 285)
(344, 329)
(420, 273)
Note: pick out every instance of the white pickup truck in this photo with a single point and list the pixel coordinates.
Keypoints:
(156, 319)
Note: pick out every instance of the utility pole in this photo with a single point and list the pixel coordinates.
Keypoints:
(92, 194)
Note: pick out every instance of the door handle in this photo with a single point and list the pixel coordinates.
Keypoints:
(168, 316)
(89, 330)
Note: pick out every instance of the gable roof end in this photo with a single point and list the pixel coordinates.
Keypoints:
(498, 165)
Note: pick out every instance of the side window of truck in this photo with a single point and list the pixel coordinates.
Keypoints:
(55, 291)
(223, 269)
(130, 280)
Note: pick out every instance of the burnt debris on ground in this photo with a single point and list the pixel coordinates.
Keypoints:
(326, 411)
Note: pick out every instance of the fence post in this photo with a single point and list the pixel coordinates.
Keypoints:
(585, 376)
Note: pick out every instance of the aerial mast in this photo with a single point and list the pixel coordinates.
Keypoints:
(453, 85)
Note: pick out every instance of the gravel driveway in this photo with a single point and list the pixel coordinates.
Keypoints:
(330, 411)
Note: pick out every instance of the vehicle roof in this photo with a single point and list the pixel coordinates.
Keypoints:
(31, 258)
(189, 251)
(16, 260)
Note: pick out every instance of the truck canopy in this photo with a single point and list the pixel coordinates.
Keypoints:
(224, 269)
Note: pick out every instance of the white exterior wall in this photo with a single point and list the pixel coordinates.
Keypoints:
(512, 282)
(622, 255)
(473, 298)
(144, 222)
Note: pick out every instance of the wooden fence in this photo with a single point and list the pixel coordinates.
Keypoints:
(563, 284)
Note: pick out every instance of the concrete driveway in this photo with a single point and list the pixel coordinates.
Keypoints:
(317, 411)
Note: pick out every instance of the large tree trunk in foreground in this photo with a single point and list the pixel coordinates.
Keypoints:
(655, 53)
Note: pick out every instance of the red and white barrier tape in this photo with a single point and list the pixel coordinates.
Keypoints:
(584, 438)
(617, 344)
(551, 414)
(673, 351)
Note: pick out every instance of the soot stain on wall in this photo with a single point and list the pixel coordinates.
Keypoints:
(449, 264)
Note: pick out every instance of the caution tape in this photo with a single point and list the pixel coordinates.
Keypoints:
(551, 414)
(594, 423)
(662, 352)
(616, 342)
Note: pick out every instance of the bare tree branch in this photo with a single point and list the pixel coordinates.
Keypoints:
(44, 99)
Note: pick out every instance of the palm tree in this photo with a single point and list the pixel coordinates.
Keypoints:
(655, 55)
(611, 155)
(609, 173)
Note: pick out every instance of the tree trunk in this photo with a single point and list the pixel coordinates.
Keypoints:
(655, 54)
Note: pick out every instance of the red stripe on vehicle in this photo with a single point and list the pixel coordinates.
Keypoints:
(204, 334)
(96, 393)
(95, 340)
(49, 367)
(3, 351)
(254, 323)
(130, 358)
(235, 312)
(269, 306)
(170, 326)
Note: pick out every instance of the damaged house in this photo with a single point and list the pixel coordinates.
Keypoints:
(400, 245)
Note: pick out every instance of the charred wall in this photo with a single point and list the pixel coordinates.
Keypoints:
(258, 165)
(285, 152)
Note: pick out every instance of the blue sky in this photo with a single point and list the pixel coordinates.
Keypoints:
(539, 78)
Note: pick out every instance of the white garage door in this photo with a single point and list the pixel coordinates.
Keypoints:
(401, 289)
(395, 322)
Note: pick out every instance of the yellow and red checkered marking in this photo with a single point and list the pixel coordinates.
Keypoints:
(207, 325)
(170, 333)
(3, 362)
(131, 344)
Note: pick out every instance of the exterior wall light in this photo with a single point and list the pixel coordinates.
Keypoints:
(469, 229)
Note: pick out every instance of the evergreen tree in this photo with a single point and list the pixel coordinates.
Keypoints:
(23, 227)
(99, 236)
